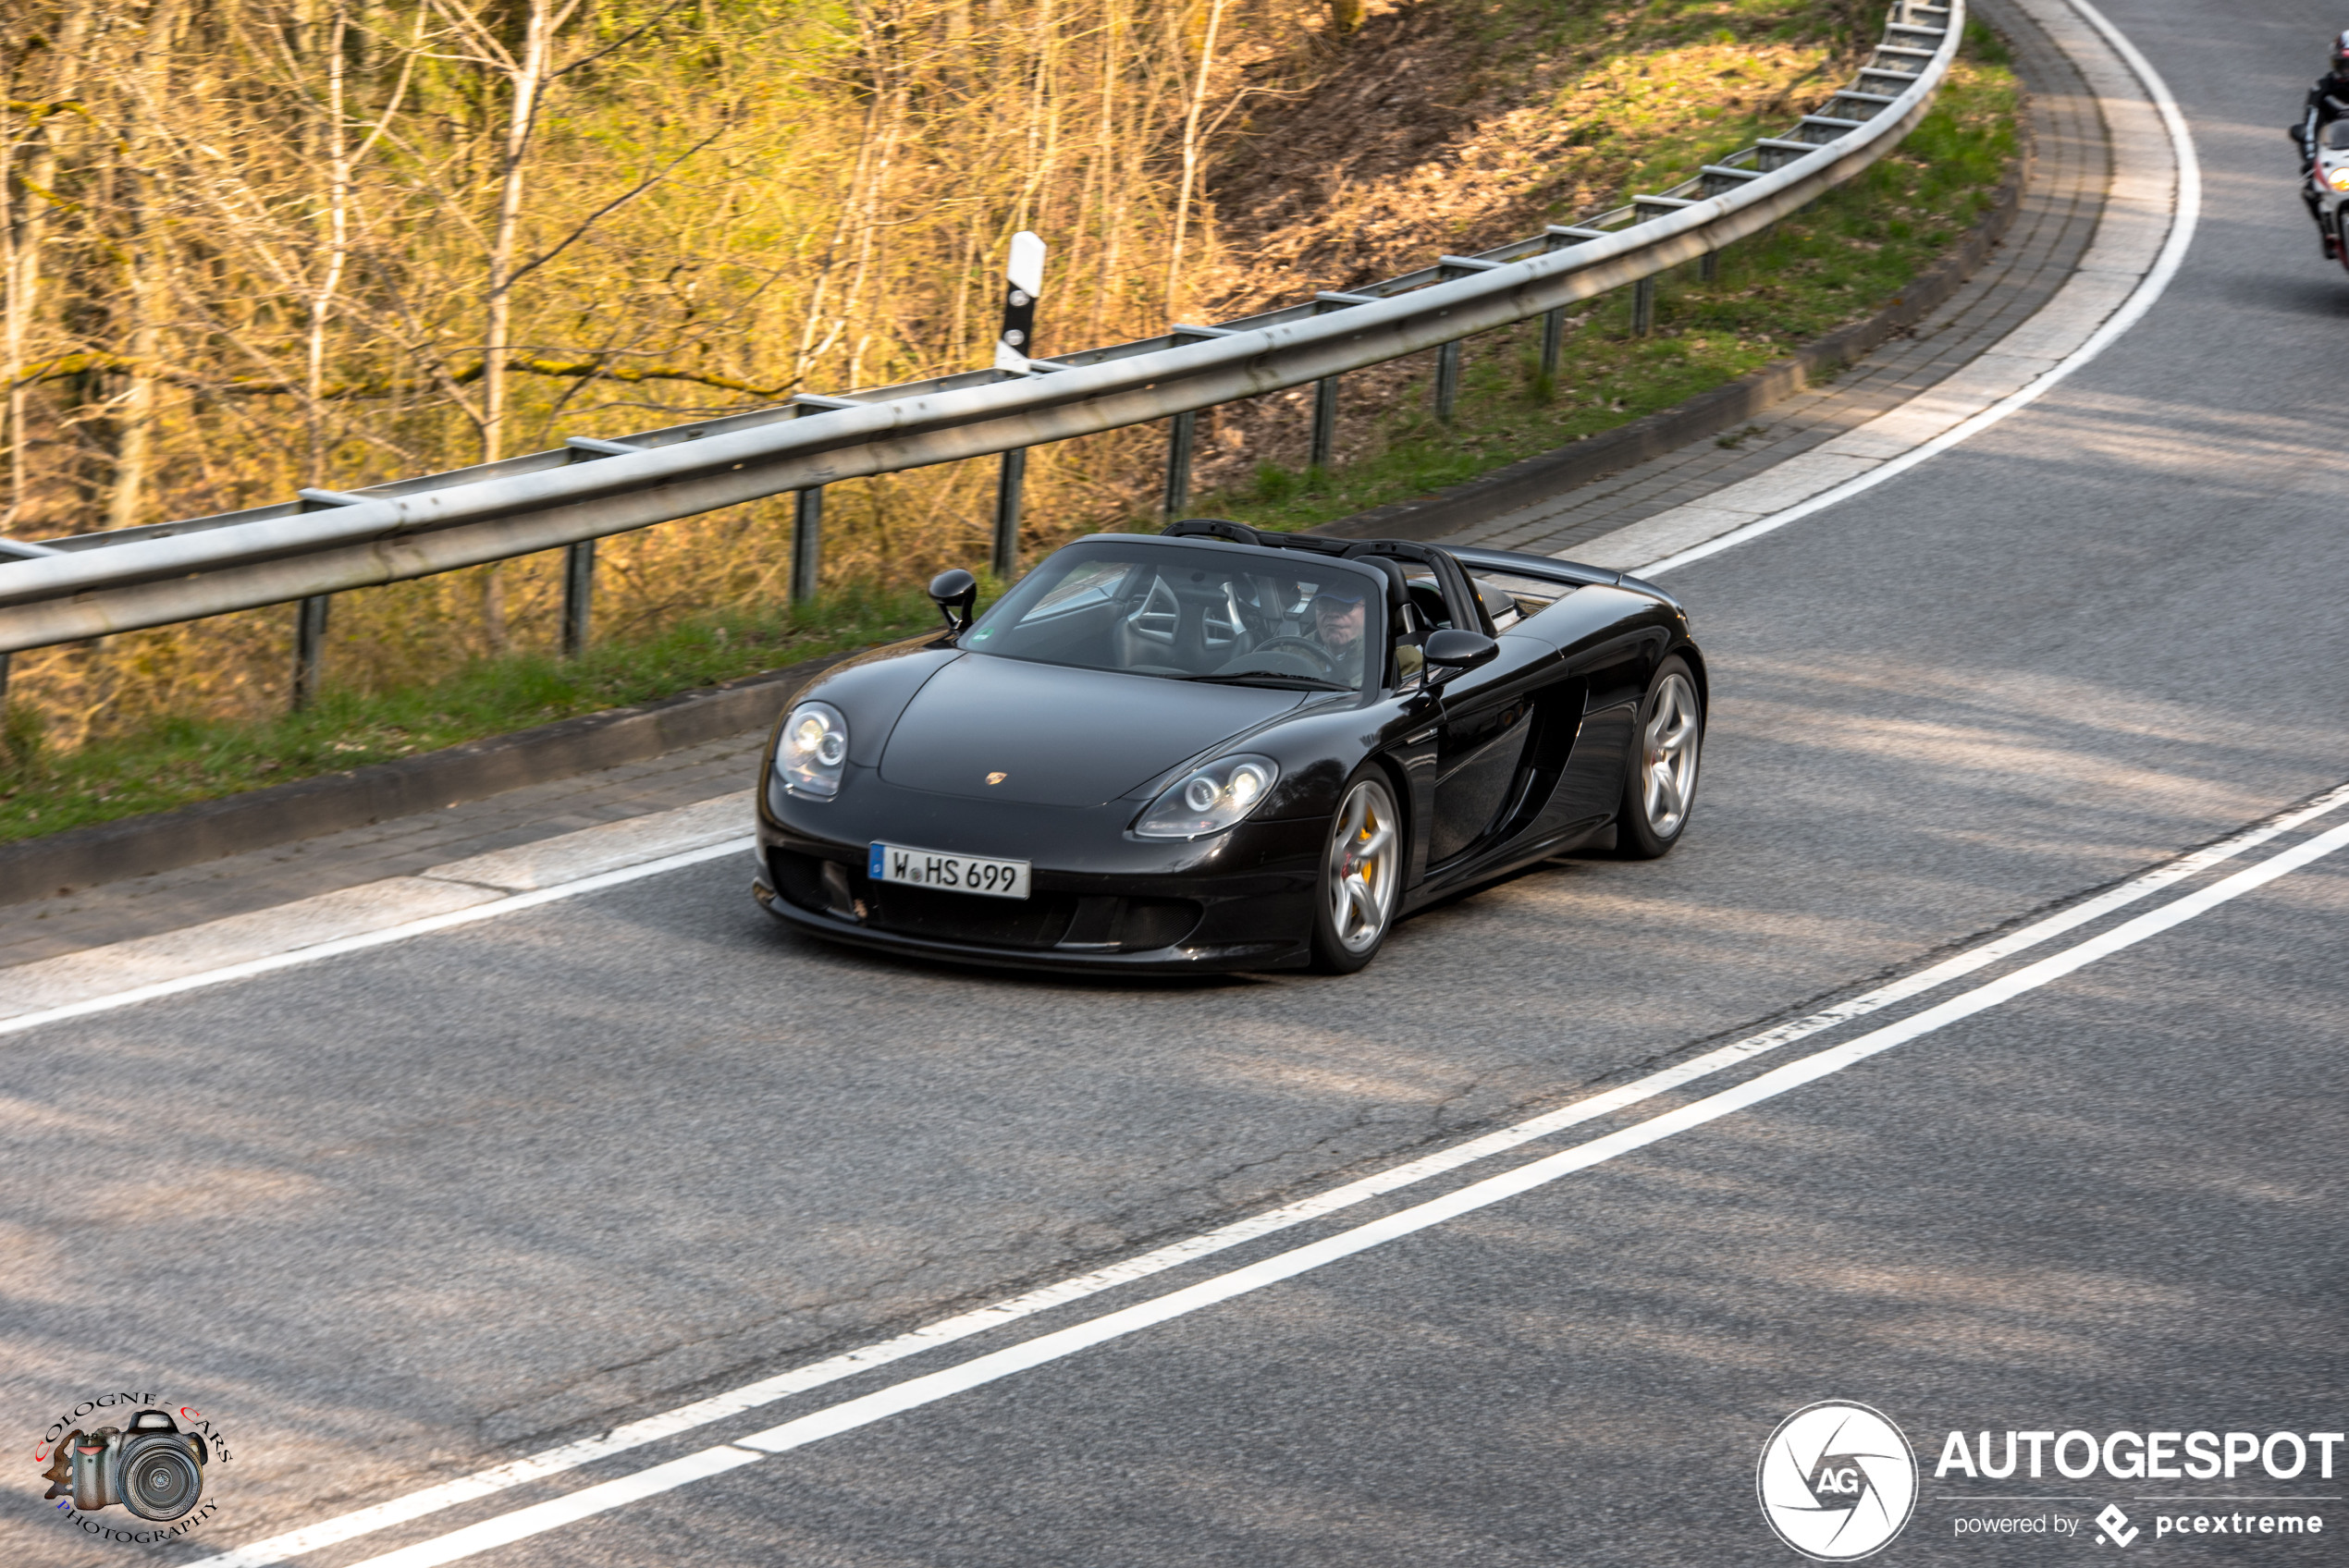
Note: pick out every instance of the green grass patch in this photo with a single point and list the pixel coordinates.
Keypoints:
(1838, 260)
(175, 761)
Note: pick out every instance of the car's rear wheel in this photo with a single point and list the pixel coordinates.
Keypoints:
(1361, 876)
(1659, 788)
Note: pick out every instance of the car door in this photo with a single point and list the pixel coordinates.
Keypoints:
(1490, 734)
(1482, 740)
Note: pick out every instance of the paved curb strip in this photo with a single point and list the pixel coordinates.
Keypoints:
(259, 819)
(2151, 193)
(1537, 479)
(373, 907)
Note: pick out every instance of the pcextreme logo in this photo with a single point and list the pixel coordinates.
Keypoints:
(1837, 1481)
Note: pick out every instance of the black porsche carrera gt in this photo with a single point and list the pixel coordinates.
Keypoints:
(1220, 749)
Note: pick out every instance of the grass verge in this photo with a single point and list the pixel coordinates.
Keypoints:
(175, 761)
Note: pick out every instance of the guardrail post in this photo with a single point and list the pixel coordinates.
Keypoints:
(579, 595)
(579, 560)
(1181, 433)
(1324, 446)
(1709, 269)
(310, 641)
(309, 619)
(1008, 486)
(1644, 307)
(808, 510)
(1557, 237)
(1447, 358)
(806, 542)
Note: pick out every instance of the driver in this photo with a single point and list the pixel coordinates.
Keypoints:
(1341, 617)
(1341, 611)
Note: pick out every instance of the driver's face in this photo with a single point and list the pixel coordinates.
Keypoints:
(1339, 624)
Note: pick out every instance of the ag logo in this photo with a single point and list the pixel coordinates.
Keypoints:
(1837, 1481)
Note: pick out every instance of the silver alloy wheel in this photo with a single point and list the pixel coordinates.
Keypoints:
(1361, 870)
(1668, 756)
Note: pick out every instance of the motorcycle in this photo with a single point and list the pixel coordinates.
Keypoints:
(2324, 153)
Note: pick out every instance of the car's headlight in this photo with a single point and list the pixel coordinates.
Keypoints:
(813, 750)
(1212, 799)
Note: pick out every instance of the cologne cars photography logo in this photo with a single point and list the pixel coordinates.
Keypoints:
(1837, 1481)
(134, 1451)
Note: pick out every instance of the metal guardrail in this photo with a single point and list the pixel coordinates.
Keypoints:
(323, 542)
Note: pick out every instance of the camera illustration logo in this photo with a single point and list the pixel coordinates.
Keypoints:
(152, 1465)
(1837, 1481)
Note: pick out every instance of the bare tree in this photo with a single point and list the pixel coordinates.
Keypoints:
(27, 185)
(1191, 145)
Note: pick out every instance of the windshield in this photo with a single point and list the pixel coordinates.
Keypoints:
(1188, 612)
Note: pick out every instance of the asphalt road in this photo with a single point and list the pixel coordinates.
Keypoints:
(405, 1213)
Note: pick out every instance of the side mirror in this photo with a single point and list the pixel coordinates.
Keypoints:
(956, 591)
(1448, 652)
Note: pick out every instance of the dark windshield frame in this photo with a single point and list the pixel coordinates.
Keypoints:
(1166, 554)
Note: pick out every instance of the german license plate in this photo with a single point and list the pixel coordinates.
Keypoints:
(958, 873)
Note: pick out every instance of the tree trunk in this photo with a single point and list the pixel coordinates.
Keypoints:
(322, 300)
(526, 80)
(1190, 157)
(27, 224)
(135, 408)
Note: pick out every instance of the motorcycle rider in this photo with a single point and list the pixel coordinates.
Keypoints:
(2328, 100)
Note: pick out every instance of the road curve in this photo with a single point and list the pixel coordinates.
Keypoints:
(415, 1210)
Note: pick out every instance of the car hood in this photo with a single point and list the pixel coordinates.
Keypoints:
(1056, 736)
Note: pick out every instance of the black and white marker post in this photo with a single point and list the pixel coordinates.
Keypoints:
(1022, 281)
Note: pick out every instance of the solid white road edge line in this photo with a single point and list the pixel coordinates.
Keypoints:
(929, 1389)
(736, 1402)
(2140, 301)
(365, 939)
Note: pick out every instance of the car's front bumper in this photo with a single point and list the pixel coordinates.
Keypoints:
(1099, 899)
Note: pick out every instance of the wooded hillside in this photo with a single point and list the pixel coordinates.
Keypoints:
(252, 245)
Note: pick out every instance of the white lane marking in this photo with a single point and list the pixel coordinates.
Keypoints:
(930, 1388)
(767, 1390)
(2187, 214)
(272, 962)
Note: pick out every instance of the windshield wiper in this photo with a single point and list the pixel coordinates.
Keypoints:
(1271, 677)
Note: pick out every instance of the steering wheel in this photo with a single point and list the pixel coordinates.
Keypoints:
(1326, 665)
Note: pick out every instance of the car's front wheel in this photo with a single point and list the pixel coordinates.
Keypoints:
(1659, 788)
(1361, 876)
